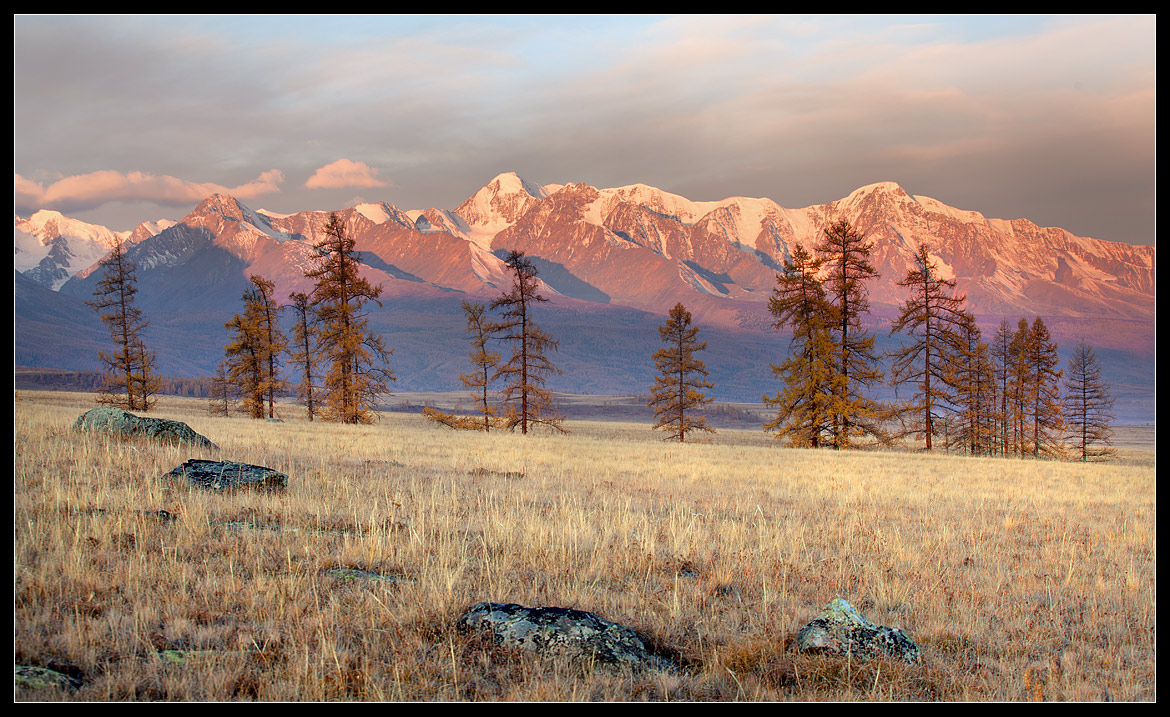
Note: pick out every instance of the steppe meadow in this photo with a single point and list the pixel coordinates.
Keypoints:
(1018, 579)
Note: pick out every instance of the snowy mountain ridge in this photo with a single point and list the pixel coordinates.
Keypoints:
(636, 246)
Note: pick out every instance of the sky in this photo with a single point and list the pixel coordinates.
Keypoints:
(123, 119)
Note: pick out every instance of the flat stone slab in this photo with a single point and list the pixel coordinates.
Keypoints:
(119, 422)
(842, 631)
(557, 632)
(228, 475)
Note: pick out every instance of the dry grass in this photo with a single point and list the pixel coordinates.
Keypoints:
(1020, 580)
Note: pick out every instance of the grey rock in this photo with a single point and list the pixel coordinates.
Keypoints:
(228, 475)
(40, 678)
(841, 630)
(347, 575)
(557, 632)
(123, 423)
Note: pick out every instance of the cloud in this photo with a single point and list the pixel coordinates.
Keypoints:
(344, 173)
(87, 191)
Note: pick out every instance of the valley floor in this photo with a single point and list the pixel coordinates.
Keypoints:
(1018, 579)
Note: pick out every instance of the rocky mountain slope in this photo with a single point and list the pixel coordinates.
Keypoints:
(599, 251)
(635, 246)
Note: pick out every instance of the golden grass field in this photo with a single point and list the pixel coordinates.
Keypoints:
(1019, 579)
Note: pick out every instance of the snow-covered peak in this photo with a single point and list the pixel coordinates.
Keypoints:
(887, 188)
(223, 205)
(498, 205)
(654, 199)
(383, 212)
(150, 228)
(741, 219)
(227, 207)
(50, 247)
(963, 215)
(376, 213)
(512, 183)
(47, 225)
(442, 220)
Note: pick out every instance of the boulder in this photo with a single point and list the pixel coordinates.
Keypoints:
(557, 632)
(841, 630)
(39, 678)
(228, 475)
(123, 423)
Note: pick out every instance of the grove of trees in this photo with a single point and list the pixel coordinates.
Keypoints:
(1002, 397)
(981, 399)
(826, 397)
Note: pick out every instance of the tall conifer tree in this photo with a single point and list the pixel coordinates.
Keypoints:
(805, 405)
(1044, 393)
(272, 340)
(303, 350)
(973, 378)
(223, 391)
(248, 350)
(1088, 405)
(1019, 387)
(358, 362)
(931, 317)
(526, 371)
(678, 389)
(846, 256)
(1001, 353)
(480, 330)
(130, 380)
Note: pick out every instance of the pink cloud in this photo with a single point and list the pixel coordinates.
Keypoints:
(344, 173)
(86, 191)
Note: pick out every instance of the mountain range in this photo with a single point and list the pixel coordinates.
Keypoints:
(614, 261)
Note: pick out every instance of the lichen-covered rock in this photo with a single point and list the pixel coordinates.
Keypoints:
(841, 630)
(41, 678)
(228, 475)
(123, 423)
(557, 632)
(349, 575)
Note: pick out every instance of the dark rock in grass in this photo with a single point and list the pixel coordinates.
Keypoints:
(557, 632)
(841, 630)
(123, 423)
(41, 678)
(227, 475)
